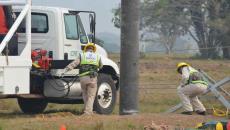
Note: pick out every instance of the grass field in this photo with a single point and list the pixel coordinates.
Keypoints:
(157, 93)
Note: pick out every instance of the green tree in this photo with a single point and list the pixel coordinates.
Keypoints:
(159, 17)
(206, 21)
(207, 18)
(205, 35)
(222, 25)
(162, 18)
(117, 17)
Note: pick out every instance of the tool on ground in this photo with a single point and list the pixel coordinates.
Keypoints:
(213, 125)
(220, 113)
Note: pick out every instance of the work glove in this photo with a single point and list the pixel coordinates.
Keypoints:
(62, 75)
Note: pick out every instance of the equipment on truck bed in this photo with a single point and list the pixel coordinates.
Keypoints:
(40, 59)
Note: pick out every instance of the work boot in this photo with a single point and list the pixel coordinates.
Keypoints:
(201, 112)
(187, 112)
(89, 113)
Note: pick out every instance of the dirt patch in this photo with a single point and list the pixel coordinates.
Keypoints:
(160, 121)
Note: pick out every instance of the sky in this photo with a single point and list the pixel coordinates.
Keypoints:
(103, 9)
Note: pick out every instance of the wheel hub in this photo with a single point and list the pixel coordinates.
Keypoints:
(104, 96)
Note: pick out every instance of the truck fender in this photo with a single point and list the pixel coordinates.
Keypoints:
(111, 68)
(107, 62)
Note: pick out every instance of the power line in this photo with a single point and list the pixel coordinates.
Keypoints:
(205, 48)
(198, 49)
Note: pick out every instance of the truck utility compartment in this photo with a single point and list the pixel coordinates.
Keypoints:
(14, 75)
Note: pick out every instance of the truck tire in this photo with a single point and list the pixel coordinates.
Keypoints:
(106, 95)
(32, 106)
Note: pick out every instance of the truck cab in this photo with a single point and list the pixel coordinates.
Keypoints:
(60, 32)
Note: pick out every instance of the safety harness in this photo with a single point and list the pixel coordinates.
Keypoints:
(89, 64)
(195, 77)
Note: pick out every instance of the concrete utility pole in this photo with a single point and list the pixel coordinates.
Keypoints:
(129, 57)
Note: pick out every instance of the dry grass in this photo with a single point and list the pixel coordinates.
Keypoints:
(158, 83)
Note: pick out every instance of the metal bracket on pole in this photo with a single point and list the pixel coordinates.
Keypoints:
(213, 86)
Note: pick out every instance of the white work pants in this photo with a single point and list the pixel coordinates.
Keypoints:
(188, 94)
(89, 89)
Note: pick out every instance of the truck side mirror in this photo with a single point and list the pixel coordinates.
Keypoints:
(92, 26)
(90, 36)
(83, 39)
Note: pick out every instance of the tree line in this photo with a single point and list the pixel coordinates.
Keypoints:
(206, 21)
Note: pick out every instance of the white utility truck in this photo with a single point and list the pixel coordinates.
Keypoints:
(49, 38)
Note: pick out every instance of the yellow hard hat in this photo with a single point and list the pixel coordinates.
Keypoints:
(181, 64)
(90, 45)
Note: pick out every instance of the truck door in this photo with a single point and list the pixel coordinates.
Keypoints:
(72, 44)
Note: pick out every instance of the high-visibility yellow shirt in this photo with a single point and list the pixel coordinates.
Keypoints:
(186, 72)
(90, 58)
(89, 63)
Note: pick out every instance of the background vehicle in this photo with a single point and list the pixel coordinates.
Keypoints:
(58, 37)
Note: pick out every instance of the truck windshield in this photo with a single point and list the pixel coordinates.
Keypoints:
(71, 27)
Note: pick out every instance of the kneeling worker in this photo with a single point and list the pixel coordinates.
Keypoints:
(192, 85)
(90, 63)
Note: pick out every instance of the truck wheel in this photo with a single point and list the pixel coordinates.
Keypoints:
(106, 95)
(32, 106)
